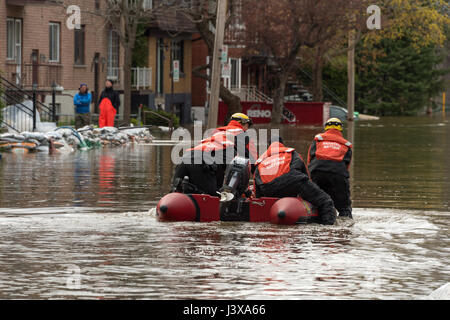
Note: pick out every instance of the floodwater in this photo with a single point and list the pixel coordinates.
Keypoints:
(79, 226)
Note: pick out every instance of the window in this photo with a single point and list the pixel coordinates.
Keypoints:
(79, 45)
(113, 55)
(177, 50)
(97, 4)
(188, 4)
(10, 39)
(160, 67)
(54, 31)
(236, 28)
(14, 39)
(147, 4)
(235, 73)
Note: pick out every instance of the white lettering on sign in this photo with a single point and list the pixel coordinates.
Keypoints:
(259, 113)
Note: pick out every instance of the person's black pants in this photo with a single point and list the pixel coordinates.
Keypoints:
(203, 178)
(293, 186)
(338, 187)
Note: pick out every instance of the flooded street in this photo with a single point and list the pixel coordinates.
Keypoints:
(78, 226)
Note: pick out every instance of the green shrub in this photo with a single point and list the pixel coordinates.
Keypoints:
(152, 119)
(135, 122)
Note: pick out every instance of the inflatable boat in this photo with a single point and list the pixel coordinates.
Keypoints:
(205, 208)
(234, 203)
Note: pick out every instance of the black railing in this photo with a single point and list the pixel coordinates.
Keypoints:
(23, 116)
(39, 74)
(327, 90)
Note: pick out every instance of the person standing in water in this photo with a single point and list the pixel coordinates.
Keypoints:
(329, 159)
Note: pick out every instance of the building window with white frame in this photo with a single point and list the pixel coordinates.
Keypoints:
(13, 39)
(113, 56)
(147, 4)
(54, 41)
(235, 73)
(177, 51)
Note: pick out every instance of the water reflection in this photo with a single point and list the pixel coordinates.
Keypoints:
(106, 175)
(90, 209)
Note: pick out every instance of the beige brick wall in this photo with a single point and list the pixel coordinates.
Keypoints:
(184, 85)
(2, 35)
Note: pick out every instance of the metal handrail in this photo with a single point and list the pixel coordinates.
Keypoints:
(15, 94)
(25, 92)
(170, 122)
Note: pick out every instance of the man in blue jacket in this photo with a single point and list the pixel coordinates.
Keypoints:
(82, 102)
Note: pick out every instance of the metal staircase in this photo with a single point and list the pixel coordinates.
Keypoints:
(251, 93)
(328, 91)
(21, 108)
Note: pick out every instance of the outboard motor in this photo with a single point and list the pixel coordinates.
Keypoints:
(236, 180)
(233, 207)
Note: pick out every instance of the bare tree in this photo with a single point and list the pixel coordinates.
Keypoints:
(203, 14)
(325, 52)
(278, 30)
(336, 42)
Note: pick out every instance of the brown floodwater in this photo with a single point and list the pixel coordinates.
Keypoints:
(80, 226)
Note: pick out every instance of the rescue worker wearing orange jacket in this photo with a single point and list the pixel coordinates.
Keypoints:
(281, 172)
(205, 164)
(329, 158)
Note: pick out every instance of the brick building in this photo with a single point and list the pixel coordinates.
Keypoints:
(245, 76)
(39, 48)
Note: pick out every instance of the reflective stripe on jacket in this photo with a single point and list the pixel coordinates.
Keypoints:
(271, 178)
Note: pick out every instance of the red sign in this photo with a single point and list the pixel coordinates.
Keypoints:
(299, 113)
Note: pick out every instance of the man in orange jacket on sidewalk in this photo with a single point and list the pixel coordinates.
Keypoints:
(107, 114)
(329, 158)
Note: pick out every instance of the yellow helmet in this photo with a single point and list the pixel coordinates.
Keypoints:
(334, 123)
(241, 117)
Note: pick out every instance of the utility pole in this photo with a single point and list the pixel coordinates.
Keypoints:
(351, 87)
(172, 50)
(217, 63)
(443, 104)
(351, 99)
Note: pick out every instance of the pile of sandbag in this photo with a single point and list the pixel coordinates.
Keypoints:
(71, 139)
(32, 141)
(111, 136)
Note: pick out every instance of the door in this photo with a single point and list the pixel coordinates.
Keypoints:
(35, 66)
